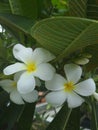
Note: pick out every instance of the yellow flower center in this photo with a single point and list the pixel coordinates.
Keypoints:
(14, 84)
(69, 86)
(31, 67)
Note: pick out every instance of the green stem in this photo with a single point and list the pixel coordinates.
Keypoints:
(94, 115)
(67, 118)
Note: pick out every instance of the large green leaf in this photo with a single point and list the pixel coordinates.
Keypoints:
(26, 118)
(66, 119)
(9, 116)
(17, 116)
(65, 35)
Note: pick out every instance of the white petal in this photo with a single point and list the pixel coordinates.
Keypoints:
(38, 82)
(30, 97)
(16, 49)
(44, 71)
(17, 75)
(26, 83)
(16, 97)
(56, 98)
(25, 55)
(85, 88)
(95, 96)
(73, 72)
(57, 83)
(74, 100)
(41, 55)
(11, 69)
(7, 85)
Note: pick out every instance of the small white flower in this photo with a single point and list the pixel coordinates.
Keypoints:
(33, 64)
(67, 89)
(10, 86)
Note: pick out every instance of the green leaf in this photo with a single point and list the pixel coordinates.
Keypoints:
(10, 115)
(15, 22)
(94, 118)
(33, 9)
(77, 8)
(74, 122)
(83, 8)
(92, 11)
(19, 26)
(4, 8)
(5, 98)
(66, 119)
(24, 8)
(17, 116)
(26, 118)
(65, 35)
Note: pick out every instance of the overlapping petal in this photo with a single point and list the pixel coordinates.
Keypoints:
(16, 49)
(85, 88)
(56, 98)
(16, 97)
(57, 83)
(26, 83)
(41, 55)
(7, 85)
(25, 55)
(74, 100)
(73, 72)
(44, 71)
(38, 82)
(11, 69)
(17, 75)
(30, 97)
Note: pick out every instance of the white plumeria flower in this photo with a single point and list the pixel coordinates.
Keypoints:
(67, 89)
(34, 64)
(10, 86)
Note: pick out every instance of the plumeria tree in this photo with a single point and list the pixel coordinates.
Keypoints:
(51, 45)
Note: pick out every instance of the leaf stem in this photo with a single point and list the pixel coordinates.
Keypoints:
(67, 118)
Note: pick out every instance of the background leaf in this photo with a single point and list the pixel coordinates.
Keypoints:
(33, 9)
(18, 26)
(24, 8)
(83, 8)
(18, 117)
(77, 8)
(61, 119)
(26, 118)
(4, 8)
(64, 35)
(9, 117)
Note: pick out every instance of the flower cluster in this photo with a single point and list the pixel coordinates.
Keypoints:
(33, 65)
